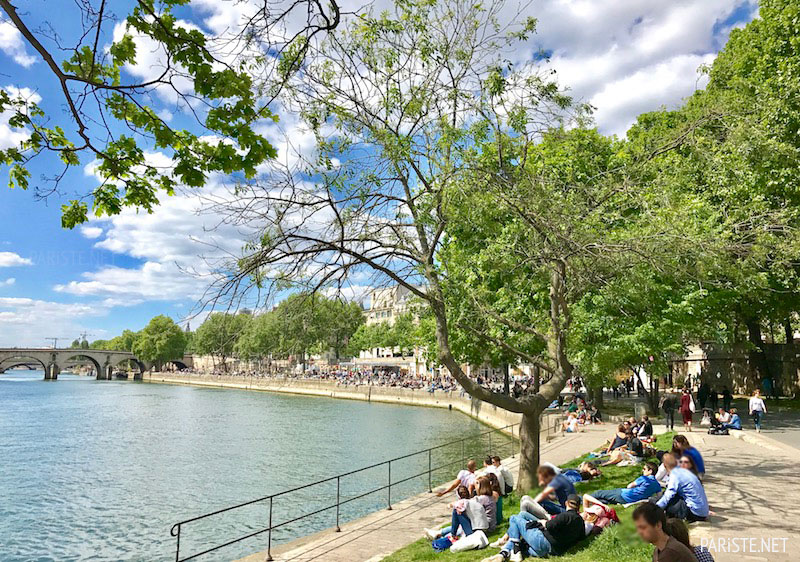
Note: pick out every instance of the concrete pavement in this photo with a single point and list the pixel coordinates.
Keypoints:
(753, 487)
(379, 534)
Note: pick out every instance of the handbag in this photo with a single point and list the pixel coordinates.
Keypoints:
(691, 404)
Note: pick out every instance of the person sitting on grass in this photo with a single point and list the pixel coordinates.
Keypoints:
(685, 461)
(685, 497)
(638, 490)
(645, 432)
(651, 523)
(508, 477)
(678, 529)
(497, 496)
(490, 468)
(681, 443)
(630, 453)
(554, 536)
(464, 478)
(620, 439)
(469, 515)
(555, 487)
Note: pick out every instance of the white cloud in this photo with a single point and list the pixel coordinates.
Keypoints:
(26, 322)
(13, 136)
(8, 282)
(92, 232)
(12, 45)
(10, 259)
(645, 52)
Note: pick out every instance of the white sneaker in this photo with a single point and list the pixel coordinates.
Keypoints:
(431, 534)
(498, 543)
(516, 557)
(495, 558)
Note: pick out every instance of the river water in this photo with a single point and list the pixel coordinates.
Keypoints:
(100, 470)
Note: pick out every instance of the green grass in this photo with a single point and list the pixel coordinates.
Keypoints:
(617, 543)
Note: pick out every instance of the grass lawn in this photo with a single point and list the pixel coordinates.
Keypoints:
(617, 543)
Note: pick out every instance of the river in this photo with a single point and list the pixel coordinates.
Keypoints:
(100, 470)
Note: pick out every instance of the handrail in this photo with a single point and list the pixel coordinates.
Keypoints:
(175, 530)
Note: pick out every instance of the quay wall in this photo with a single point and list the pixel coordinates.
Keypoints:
(487, 413)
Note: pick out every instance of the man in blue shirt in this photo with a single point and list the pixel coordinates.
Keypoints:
(555, 487)
(684, 497)
(640, 489)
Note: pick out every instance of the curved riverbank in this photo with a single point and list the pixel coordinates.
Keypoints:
(453, 400)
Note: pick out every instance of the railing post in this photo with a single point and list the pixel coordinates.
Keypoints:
(338, 529)
(269, 533)
(430, 487)
(390, 486)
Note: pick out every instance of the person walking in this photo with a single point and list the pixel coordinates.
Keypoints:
(757, 409)
(668, 406)
(687, 409)
(727, 398)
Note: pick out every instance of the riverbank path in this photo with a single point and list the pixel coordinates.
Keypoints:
(753, 487)
(377, 535)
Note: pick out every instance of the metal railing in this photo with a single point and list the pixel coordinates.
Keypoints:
(177, 528)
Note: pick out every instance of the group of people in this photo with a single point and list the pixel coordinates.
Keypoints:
(670, 493)
(723, 417)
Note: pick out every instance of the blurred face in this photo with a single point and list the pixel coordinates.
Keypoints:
(646, 471)
(685, 462)
(646, 531)
(544, 480)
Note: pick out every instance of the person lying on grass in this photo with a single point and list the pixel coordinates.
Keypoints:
(586, 471)
(552, 500)
(638, 490)
(528, 536)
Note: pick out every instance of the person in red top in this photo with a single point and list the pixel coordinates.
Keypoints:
(686, 409)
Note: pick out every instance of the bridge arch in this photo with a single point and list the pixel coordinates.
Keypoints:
(12, 359)
(64, 357)
(117, 361)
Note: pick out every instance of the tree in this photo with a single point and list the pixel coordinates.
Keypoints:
(399, 102)
(225, 81)
(76, 343)
(160, 341)
(217, 336)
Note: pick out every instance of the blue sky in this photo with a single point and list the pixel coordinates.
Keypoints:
(624, 57)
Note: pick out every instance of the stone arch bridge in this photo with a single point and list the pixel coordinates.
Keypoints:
(53, 360)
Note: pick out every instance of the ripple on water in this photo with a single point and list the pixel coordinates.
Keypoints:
(95, 470)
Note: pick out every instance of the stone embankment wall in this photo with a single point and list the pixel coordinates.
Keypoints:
(483, 411)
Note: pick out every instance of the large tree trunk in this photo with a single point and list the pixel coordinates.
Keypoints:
(597, 396)
(529, 433)
(788, 331)
(758, 361)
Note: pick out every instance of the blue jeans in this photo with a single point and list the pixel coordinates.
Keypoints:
(551, 507)
(609, 496)
(456, 521)
(538, 546)
(757, 416)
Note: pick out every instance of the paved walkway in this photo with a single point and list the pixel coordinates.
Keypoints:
(753, 486)
(379, 534)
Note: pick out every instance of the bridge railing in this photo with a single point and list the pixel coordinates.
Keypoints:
(504, 440)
